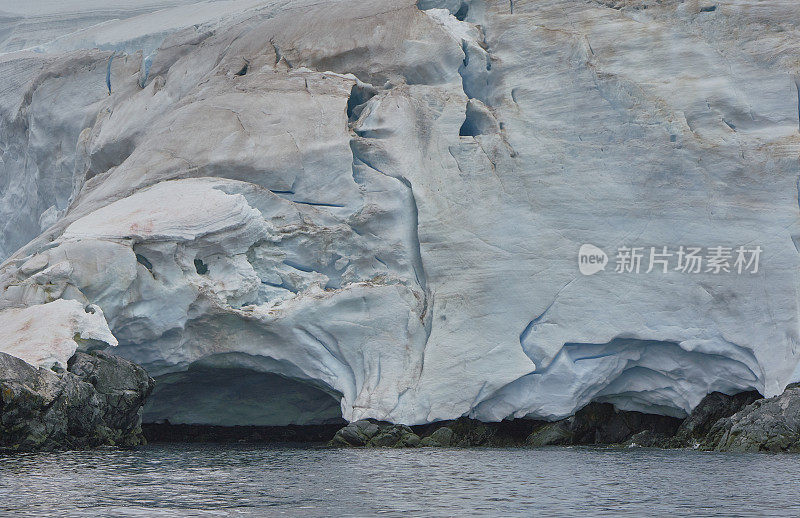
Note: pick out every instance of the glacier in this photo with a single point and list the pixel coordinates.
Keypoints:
(291, 211)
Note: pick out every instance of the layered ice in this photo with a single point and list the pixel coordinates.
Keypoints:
(298, 210)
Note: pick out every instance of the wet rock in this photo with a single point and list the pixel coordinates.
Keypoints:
(395, 436)
(601, 423)
(510, 433)
(97, 401)
(711, 409)
(408, 440)
(771, 425)
(462, 433)
(374, 434)
(648, 439)
(361, 433)
(441, 437)
(623, 425)
(551, 434)
(357, 433)
(468, 432)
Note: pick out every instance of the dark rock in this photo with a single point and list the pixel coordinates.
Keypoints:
(470, 432)
(394, 436)
(771, 425)
(597, 423)
(601, 423)
(624, 424)
(427, 442)
(351, 435)
(357, 433)
(96, 402)
(408, 440)
(385, 439)
(648, 439)
(714, 424)
(711, 409)
(122, 386)
(551, 434)
(441, 437)
(373, 434)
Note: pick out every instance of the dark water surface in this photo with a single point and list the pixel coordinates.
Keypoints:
(238, 480)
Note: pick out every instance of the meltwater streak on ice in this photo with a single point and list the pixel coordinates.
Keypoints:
(206, 480)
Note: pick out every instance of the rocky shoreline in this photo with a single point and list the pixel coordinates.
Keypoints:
(744, 422)
(98, 401)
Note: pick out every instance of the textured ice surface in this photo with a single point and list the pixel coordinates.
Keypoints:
(50, 25)
(383, 202)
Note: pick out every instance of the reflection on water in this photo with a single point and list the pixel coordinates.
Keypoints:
(237, 480)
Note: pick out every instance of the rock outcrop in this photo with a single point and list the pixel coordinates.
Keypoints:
(462, 433)
(601, 423)
(377, 207)
(97, 401)
(744, 422)
(694, 430)
(769, 425)
(376, 435)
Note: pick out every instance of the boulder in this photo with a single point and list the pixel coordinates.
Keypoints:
(357, 433)
(373, 434)
(395, 436)
(97, 401)
(440, 437)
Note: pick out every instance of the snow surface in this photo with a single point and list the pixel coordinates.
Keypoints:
(47, 335)
(384, 203)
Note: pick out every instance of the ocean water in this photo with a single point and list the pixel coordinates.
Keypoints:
(238, 480)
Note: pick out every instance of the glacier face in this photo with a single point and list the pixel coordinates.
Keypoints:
(285, 204)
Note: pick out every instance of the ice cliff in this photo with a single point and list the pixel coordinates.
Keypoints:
(289, 211)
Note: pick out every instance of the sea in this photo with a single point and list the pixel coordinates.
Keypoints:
(210, 480)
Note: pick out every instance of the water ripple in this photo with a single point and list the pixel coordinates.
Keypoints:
(236, 480)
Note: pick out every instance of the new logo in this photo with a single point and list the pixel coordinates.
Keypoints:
(591, 259)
